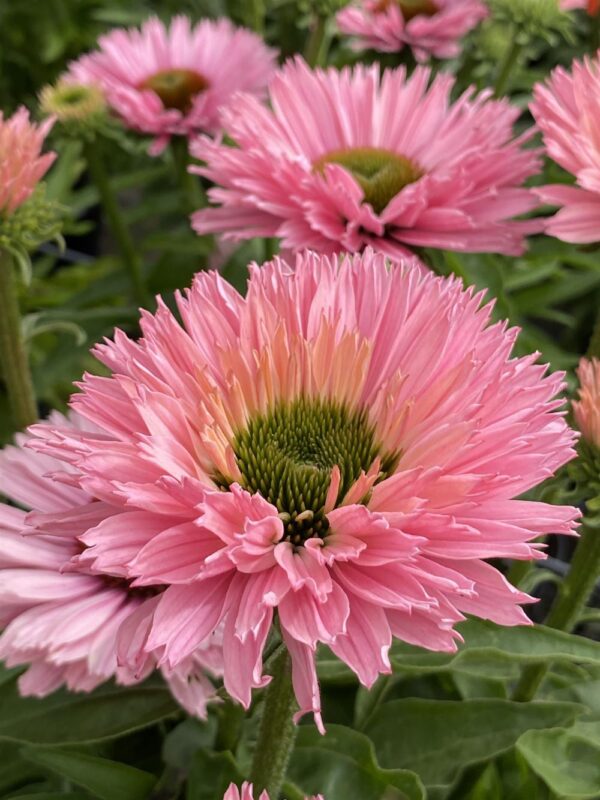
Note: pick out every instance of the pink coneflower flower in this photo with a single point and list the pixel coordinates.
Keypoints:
(428, 27)
(587, 409)
(22, 164)
(247, 793)
(61, 618)
(354, 158)
(172, 81)
(566, 110)
(349, 438)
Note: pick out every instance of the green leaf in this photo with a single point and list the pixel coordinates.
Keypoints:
(342, 765)
(568, 761)
(491, 650)
(437, 738)
(107, 780)
(210, 775)
(68, 718)
(51, 796)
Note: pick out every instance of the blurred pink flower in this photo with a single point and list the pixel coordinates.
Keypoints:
(247, 793)
(172, 81)
(587, 409)
(592, 6)
(566, 108)
(428, 27)
(22, 164)
(354, 158)
(342, 445)
(61, 617)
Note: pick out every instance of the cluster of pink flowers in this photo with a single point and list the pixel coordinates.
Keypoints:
(352, 158)
(428, 27)
(233, 467)
(172, 81)
(22, 163)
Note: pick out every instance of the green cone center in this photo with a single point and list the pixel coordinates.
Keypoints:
(287, 456)
(380, 173)
(410, 8)
(176, 87)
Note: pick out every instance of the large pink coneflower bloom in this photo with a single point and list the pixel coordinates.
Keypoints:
(171, 81)
(60, 617)
(246, 792)
(22, 164)
(566, 109)
(586, 409)
(349, 436)
(354, 158)
(428, 27)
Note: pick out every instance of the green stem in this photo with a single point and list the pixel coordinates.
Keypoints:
(257, 15)
(193, 194)
(13, 354)
(277, 731)
(506, 67)
(573, 595)
(594, 345)
(314, 45)
(119, 229)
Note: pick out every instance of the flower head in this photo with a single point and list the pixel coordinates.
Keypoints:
(428, 27)
(61, 617)
(566, 110)
(587, 409)
(172, 81)
(79, 107)
(247, 793)
(354, 158)
(342, 446)
(22, 164)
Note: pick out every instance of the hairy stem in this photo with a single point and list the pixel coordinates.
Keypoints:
(277, 731)
(13, 354)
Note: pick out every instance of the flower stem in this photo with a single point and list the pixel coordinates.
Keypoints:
(313, 52)
(506, 67)
(118, 227)
(13, 354)
(574, 593)
(257, 15)
(277, 730)
(193, 194)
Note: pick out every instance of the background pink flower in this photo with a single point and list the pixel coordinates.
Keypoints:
(246, 792)
(22, 164)
(341, 445)
(61, 617)
(566, 109)
(172, 81)
(428, 27)
(354, 158)
(587, 409)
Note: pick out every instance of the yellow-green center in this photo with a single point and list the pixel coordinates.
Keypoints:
(176, 87)
(287, 456)
(380, 173)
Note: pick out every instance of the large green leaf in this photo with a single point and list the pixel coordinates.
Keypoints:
(567, 760)
(437, 738)
(107, 780)
(68, 718)
(342, 765)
